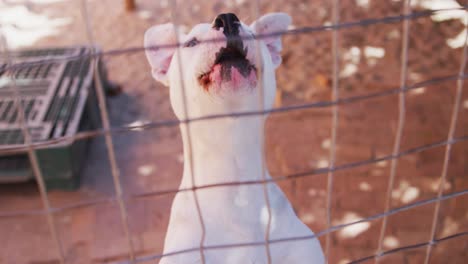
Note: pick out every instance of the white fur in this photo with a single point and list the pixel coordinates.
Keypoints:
(226, 150)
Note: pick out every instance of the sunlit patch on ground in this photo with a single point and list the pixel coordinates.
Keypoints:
(344, 261)
(352, 57)
(316, 192)
(196, 8)
(405, 193)
(382, 164)
(348, 70)
(391, 242)
(435, 185)
(450, 227)
(146, 170)
(163, 3)
(365, 186)
(393, 34)
(307, 218)
(326, 143)
(145, 14)
(377, 172)
(415, 77)
(352, 231)
(442, 4)
(23, 28)
(320, 164)
(372, 54)
(418, 91)
(458, 41)
(363, 3)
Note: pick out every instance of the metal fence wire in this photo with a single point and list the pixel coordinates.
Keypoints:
(107, 131)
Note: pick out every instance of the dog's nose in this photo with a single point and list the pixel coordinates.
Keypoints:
(229, 22)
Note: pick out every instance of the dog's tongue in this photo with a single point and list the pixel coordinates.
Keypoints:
(232, 75)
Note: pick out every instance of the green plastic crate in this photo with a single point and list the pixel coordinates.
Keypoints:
(58, 100)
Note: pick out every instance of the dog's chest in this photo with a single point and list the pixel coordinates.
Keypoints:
(231, 214)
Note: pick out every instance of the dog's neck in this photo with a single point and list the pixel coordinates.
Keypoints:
(223, 150)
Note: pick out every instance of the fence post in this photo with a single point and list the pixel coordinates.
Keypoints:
(130, 5)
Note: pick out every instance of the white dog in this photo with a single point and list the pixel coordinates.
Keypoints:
(221, 77)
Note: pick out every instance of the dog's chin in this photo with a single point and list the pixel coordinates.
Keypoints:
(231, 73)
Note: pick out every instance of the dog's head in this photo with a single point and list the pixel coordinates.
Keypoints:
(218, 63)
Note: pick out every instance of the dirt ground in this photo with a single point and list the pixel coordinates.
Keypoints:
(297, 141)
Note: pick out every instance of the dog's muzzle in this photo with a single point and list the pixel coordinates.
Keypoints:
(232, 58)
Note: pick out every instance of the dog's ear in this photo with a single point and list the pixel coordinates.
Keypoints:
(272, 23)
(160, 57)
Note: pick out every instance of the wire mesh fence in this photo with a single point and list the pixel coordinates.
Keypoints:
(337, 100)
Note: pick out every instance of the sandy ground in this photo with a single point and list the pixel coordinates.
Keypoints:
(297, 141)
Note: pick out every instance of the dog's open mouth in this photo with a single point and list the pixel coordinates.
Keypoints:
(231, 63)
